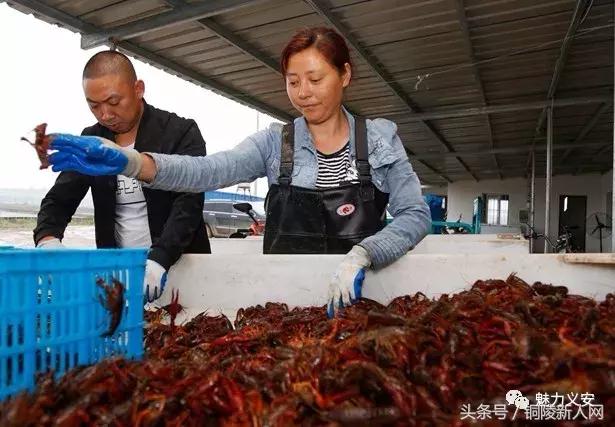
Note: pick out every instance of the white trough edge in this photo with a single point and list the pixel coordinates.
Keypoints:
(225, 283)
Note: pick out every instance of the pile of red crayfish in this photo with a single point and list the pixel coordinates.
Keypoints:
(415, 361)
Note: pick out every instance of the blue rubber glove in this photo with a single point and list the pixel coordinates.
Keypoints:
(345, 286)
(93, 155)
(154, 281)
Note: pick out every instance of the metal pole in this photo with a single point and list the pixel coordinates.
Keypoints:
(258, 127)
(532, 198)
(495, 109)
(613, 184)
(548, 175)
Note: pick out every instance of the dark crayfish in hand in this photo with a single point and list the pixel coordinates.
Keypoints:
(40, 144)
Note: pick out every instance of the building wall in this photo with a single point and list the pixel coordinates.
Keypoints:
(594, 187)
(585, 185)
(227, 195)
(461, 196)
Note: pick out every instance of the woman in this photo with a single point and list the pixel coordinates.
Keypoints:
(331, 175)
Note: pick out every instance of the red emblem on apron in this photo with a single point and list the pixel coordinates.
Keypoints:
(345, 210)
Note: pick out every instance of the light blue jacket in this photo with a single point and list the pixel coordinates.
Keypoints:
(259, 155)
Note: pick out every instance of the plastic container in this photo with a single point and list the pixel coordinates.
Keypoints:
(224, 283)
(51, 315)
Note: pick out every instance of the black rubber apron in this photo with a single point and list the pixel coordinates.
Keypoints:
(329, 221)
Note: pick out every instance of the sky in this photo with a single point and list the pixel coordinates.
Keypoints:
(41, 82)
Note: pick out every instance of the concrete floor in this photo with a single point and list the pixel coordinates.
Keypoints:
(82, 236)
(75, 236)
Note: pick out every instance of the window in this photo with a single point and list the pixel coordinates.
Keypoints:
(218, 206)
(226, 207)
(497, 209)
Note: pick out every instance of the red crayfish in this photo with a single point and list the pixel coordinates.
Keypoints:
(174, 308)
(113, 301)
(40, 144)
(413, 362)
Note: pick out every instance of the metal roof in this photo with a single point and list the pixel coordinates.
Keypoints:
(467, 81)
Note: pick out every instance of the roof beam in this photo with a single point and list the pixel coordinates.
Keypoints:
(239, 43)
(605, 147)
(63, 19)
(575, 22)
(177, 16)
(175, 3)
(507, 150)
(77, 25)
(496, 109)
(587, 128)
(230, 37)
(467, 40)
(597, 154)
(511, 173)
(582, 170)
(203, 81)
(429, 166)
(382, 73)
(585, 166)
(580, 10)
(436, 171)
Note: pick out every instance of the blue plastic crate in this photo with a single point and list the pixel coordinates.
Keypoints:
(51, 318)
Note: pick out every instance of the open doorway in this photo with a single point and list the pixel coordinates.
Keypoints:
(572, 214)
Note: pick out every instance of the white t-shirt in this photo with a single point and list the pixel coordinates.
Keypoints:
(131, 226)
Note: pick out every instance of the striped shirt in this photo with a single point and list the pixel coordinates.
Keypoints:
(335, 169)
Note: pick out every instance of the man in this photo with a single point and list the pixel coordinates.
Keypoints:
(125, 214)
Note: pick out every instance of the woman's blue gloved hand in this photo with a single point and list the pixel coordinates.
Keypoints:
(93, 155)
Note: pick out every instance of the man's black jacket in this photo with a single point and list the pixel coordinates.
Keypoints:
(175, 219)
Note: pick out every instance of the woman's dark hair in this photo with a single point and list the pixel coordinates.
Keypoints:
(327, 41)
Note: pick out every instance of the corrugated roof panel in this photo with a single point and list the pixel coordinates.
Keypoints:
(555, 22)
(213, 58)
(516, 87)
(515, 44)
(462, 123)
(264, 14)
(492, 12)
(121, 13)
(581, 79)
(373, 16)
(195, 34)
(258, 74)
(166, 32)
(80, 8)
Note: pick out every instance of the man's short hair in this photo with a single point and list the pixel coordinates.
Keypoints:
(109, 62)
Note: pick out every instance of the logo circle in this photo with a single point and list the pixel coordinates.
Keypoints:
(345, 210)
